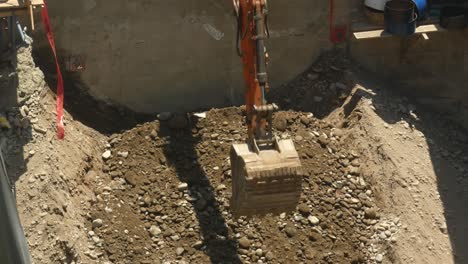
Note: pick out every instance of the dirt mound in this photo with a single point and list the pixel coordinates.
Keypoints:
(165, 196)
(385, 183)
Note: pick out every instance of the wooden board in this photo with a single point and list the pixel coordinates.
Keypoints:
(14, 4)
(380, 33)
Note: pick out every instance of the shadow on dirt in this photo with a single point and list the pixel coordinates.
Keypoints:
(104, 117)
(320, 89)
(182, 154)
(15, 133)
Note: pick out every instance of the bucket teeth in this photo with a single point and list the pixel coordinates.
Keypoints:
(268, 182)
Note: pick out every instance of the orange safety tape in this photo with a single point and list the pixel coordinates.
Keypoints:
(60, 89)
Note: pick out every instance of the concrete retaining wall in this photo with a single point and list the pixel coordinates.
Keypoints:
(179, 55)
(435, 71)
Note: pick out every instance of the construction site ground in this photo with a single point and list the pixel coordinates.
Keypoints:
(386, 180)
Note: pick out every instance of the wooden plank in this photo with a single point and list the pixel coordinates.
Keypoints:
(361, 24)
(13, 4)
(380, 33)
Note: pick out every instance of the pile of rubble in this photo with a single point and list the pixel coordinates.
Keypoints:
(163, 195)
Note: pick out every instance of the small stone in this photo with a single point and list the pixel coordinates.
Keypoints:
(221, 187)
(180, 251)
(290, 231)
(259, 252)
(310, 253)
(97, 223)
(155, 231)
(298, 138)
(198, 244)
(39, 129)
(354, 170)
(382, 235)
(280, 123)
(303, 209)
(269, 255)
(106, 155)
(379, 258)
(182, 187)
(305, 120)
(244, 243)
(443, 228)
(370, 213)
(313, 220)
(154, 134)
(95, 239)
(323, 140)
(123, 154)
(214, 136)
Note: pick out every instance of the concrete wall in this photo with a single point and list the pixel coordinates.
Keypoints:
(155, 55)
(435, 71)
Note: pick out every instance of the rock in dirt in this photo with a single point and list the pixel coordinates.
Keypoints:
(97, 223)
(154, 134)
(198, 244)
(313, 220)
(290, 231)
(182, 187)
(155, 231)
(323, 141)
(244, 243)
(310, 253)
(379, 258)
(123, 154)
(280, 123)
(443, 228)
(370, 213)
(180, 251)
(303, 209)
(269, 255)
(106, 155)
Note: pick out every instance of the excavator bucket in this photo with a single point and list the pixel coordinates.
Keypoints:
(266, 181)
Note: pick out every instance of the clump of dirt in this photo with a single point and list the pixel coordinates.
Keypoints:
(164, 197)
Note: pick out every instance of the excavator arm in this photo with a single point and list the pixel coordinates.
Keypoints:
(266, 172)
(252, 32)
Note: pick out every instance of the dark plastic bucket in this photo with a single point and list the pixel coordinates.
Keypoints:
(400, 17)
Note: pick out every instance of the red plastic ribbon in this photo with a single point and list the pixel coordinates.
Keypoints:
(59, 106)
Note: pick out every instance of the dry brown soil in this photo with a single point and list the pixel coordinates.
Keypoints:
(386, 179)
